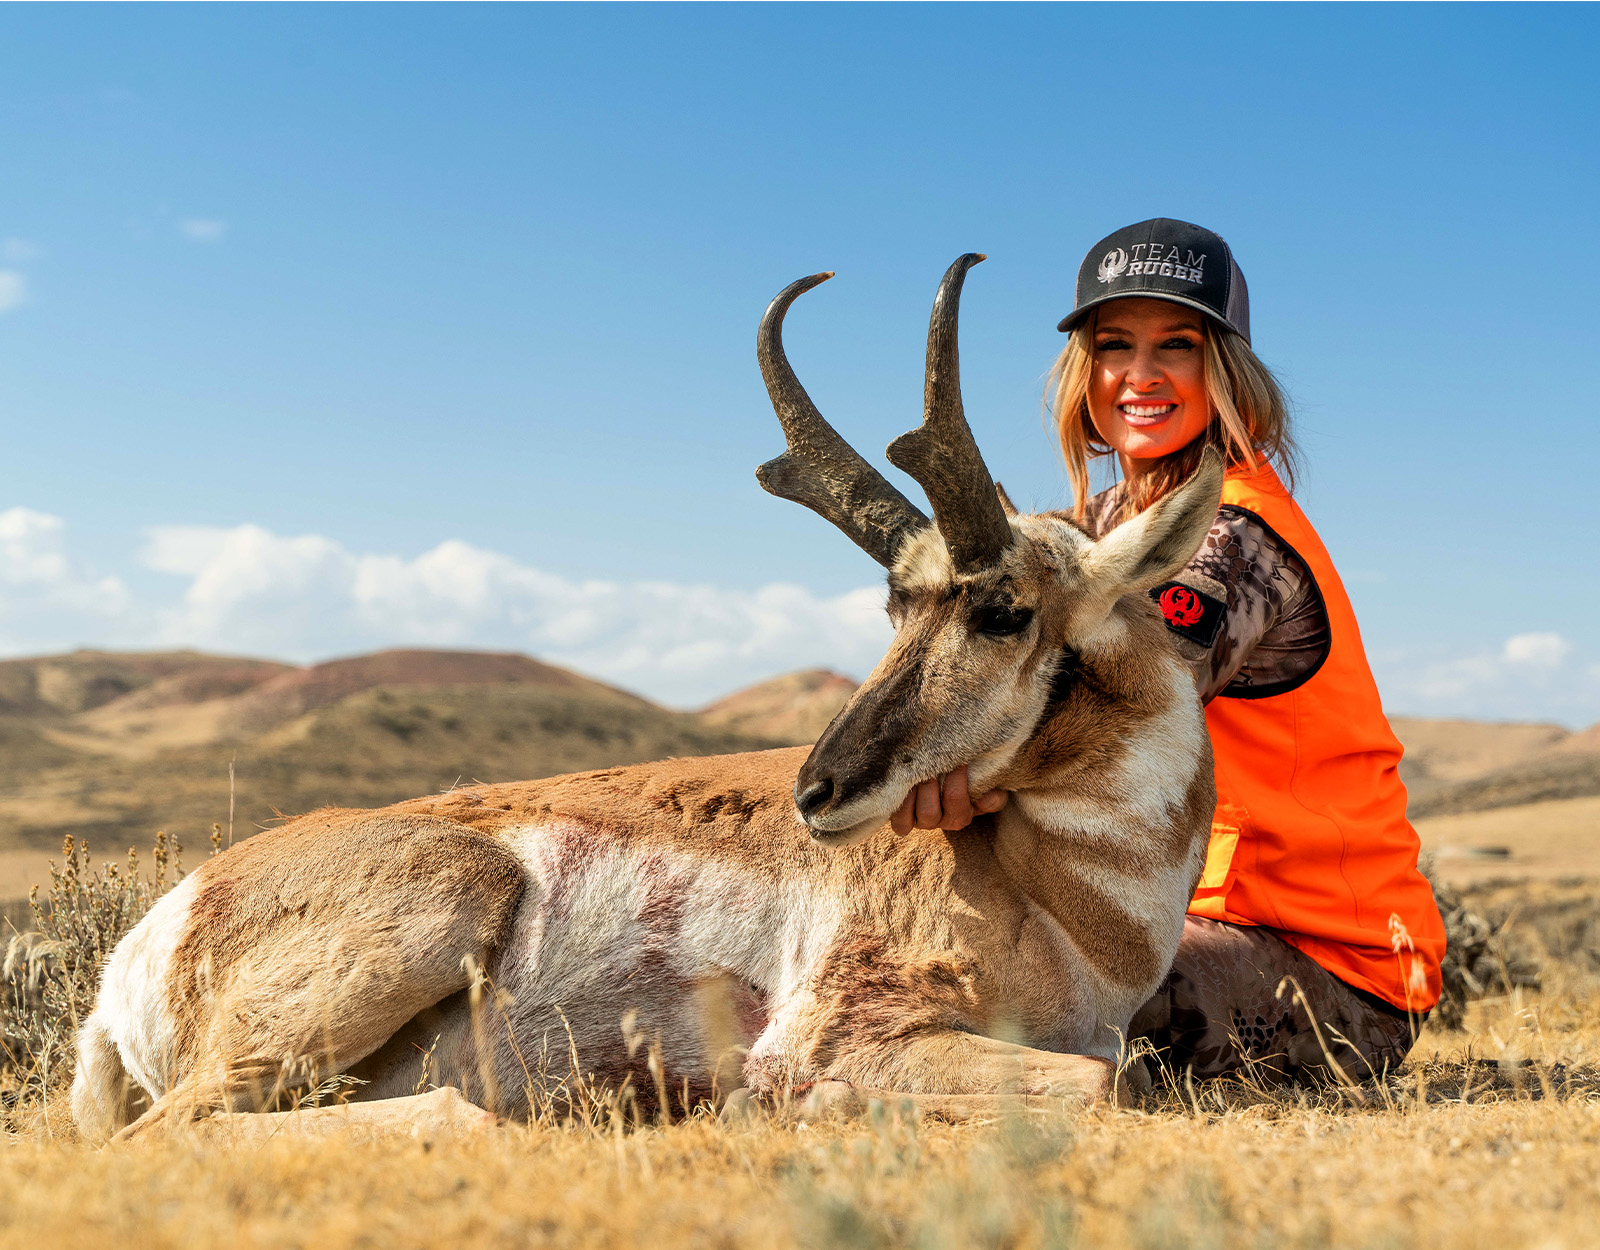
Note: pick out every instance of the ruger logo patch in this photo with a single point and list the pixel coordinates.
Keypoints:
(1159, 260)
(1190, 612)
(1113, 265)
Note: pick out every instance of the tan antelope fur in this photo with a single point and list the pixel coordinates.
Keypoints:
(755, 911)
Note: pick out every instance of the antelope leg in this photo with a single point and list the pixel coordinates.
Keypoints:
(839, 1100)
(835, 1100)
(951, 1062)
(438, 1113)
(948, 1074)
(246, 1082)
(310, 946)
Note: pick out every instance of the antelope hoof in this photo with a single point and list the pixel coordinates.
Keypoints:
(1133, 1083)
(741, 1107)
(833, 1100)
(1085, 1079)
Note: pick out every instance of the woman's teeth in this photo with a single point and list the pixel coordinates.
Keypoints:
(1147, 410)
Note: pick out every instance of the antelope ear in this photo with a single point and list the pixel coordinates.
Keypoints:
(1153, 547)
(1005, 501)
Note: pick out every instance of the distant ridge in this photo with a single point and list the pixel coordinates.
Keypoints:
(794, 708)
(288, 695)
(79, 681)
(1454, 766)
(113, 746)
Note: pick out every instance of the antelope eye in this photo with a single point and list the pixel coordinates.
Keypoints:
(1002, 622)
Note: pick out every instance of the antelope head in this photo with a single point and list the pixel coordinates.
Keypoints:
(1004, 624)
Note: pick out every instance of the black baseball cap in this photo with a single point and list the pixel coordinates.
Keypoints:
(1164, 259)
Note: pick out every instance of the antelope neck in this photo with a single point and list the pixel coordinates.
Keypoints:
(1131, 822)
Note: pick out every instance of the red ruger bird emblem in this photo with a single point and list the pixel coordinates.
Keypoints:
(1181, 606)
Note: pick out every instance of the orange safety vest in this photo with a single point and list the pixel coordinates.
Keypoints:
(1310, 836)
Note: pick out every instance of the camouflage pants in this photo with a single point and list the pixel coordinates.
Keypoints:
(1219, 1011)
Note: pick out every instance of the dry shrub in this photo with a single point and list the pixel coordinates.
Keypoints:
(52, 972)
(1484, 954)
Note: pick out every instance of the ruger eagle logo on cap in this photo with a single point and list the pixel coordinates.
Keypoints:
(1164, 259)
(1114, 265)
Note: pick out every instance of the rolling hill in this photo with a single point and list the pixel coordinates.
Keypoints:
(113, 746)
(792, 709)
(1456, 766)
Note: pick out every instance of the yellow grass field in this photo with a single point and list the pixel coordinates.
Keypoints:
(1540, 841)
(1490, 1138)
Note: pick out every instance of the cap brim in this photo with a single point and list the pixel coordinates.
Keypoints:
(1078, 314)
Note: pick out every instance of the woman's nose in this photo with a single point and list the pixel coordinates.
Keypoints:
(1144, 373)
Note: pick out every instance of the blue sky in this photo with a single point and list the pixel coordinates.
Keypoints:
(332, 327)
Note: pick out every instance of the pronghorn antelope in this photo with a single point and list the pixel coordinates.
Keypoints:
(1006, 958)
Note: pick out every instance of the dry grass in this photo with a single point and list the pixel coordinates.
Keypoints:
(1481, 1165)
(1487, 1138)
(51, 972)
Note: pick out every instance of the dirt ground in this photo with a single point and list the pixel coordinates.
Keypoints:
(1536, 841)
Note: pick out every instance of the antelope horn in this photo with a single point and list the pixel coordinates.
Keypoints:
(820, 469)
(941, 454)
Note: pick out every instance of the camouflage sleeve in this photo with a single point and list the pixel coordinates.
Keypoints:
(1274, 633)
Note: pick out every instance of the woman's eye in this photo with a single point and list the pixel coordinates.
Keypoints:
(1003, 622)
(1181, 345)
(1114, 345)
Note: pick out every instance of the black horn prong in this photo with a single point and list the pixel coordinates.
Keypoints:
(941, 452)
(820, 469)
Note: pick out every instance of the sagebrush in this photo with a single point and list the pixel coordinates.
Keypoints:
(51, 972)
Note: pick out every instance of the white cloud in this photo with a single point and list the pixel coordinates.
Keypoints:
(1532, 676)
(202, 229)
(19, 251)
(33, 555)
(308, 596)
(47, 599)
(246, 589)
(31, 547)
(1545, 650)
(13, 290)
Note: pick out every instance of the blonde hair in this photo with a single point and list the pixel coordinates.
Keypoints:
(1249, 418)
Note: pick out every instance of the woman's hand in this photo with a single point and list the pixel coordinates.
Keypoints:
(943, 803)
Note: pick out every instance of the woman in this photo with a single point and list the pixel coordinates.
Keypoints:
(1310, 884)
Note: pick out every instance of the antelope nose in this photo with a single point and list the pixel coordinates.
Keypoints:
(814, 797)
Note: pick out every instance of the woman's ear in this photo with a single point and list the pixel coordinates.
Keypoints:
(1153, 546)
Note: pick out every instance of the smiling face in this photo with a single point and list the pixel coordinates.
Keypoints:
(1147, 391)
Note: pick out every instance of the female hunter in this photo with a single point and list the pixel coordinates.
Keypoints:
(1310, 884)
